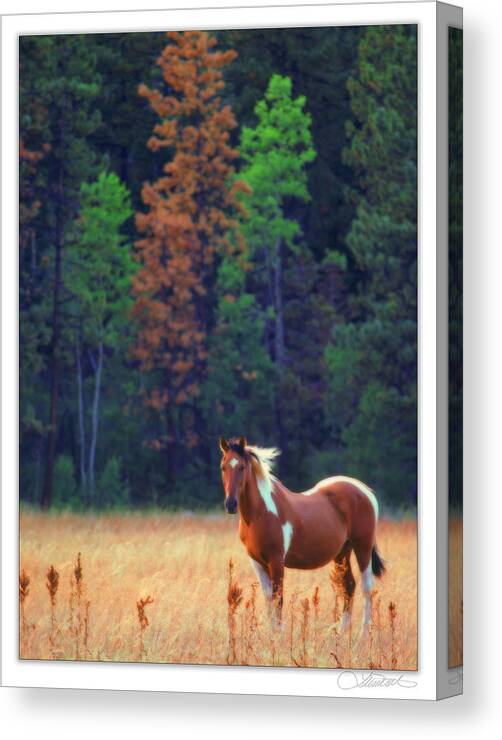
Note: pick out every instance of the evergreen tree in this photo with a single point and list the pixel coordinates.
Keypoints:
(233, 315)
(34, 330)
(61, 73)
(98, 275)
(125, 59)
(191, 215)
(275, 154)
(372, 360)
(319, 61)
(239, 392)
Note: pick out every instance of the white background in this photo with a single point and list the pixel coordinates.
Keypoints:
(64, 713)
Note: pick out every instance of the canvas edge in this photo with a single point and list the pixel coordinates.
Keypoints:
(449, 681)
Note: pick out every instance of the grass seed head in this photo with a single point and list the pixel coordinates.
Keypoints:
(24, 586)
(78, 572)
(234, 593)
(392, 612)
(142, 618)
(52, 583)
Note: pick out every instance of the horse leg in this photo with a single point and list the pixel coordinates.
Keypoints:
(345, 581)
(266, 583)
(363, 556)
(276, 574)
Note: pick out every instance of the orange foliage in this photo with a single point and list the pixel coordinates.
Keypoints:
(190, 217)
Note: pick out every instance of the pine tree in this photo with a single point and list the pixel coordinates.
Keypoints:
(34, 328)
(98, 276)
(275, 153)
(319, 62)
(239, 392)
(190, 222)
(60, 72)
(372, 362)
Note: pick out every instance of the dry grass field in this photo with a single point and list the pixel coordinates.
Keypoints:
(455, 594)
(158, 588)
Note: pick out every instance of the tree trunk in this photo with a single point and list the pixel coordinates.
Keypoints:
(55, 359)
(81, 418)
(98, 368)
(56, 320)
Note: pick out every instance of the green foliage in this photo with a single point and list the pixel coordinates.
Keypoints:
(380, 444)
(65, 485)
(58, 111)
(311, 329)
(100, 263)
(371, 363)
(275, 154)
(113, 491)
(125, 60)
(98, 272)
(319, 62)
(239, 364)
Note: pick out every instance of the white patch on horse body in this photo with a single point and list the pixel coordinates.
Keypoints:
(234, 462)
(265, 489)
(266, 583)
(345, 479)
(287, 533)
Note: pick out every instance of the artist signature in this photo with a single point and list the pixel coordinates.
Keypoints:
(348, 680)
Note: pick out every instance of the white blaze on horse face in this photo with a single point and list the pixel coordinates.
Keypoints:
(287, 533)
(265, 489)
(266, 583)
(234, 462)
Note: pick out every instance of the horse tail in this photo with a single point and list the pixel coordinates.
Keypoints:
(377, 564)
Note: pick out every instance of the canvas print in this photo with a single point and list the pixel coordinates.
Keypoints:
(218, 347)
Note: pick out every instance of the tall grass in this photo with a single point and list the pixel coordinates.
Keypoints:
(455, 593)
(208, 607)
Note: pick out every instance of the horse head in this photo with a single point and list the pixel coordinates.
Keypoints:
(234, 465)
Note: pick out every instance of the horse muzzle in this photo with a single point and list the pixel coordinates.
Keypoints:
(231, 505)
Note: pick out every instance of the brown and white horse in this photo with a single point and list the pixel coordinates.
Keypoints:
(281, 529)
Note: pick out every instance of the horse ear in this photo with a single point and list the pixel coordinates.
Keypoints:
(243, 442)
(223, 444)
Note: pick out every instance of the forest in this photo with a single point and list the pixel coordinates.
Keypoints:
(217, 236)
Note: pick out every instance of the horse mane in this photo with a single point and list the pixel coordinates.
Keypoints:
(265, 458)
(262, 458)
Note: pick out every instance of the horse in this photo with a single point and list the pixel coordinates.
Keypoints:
(281, 529)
